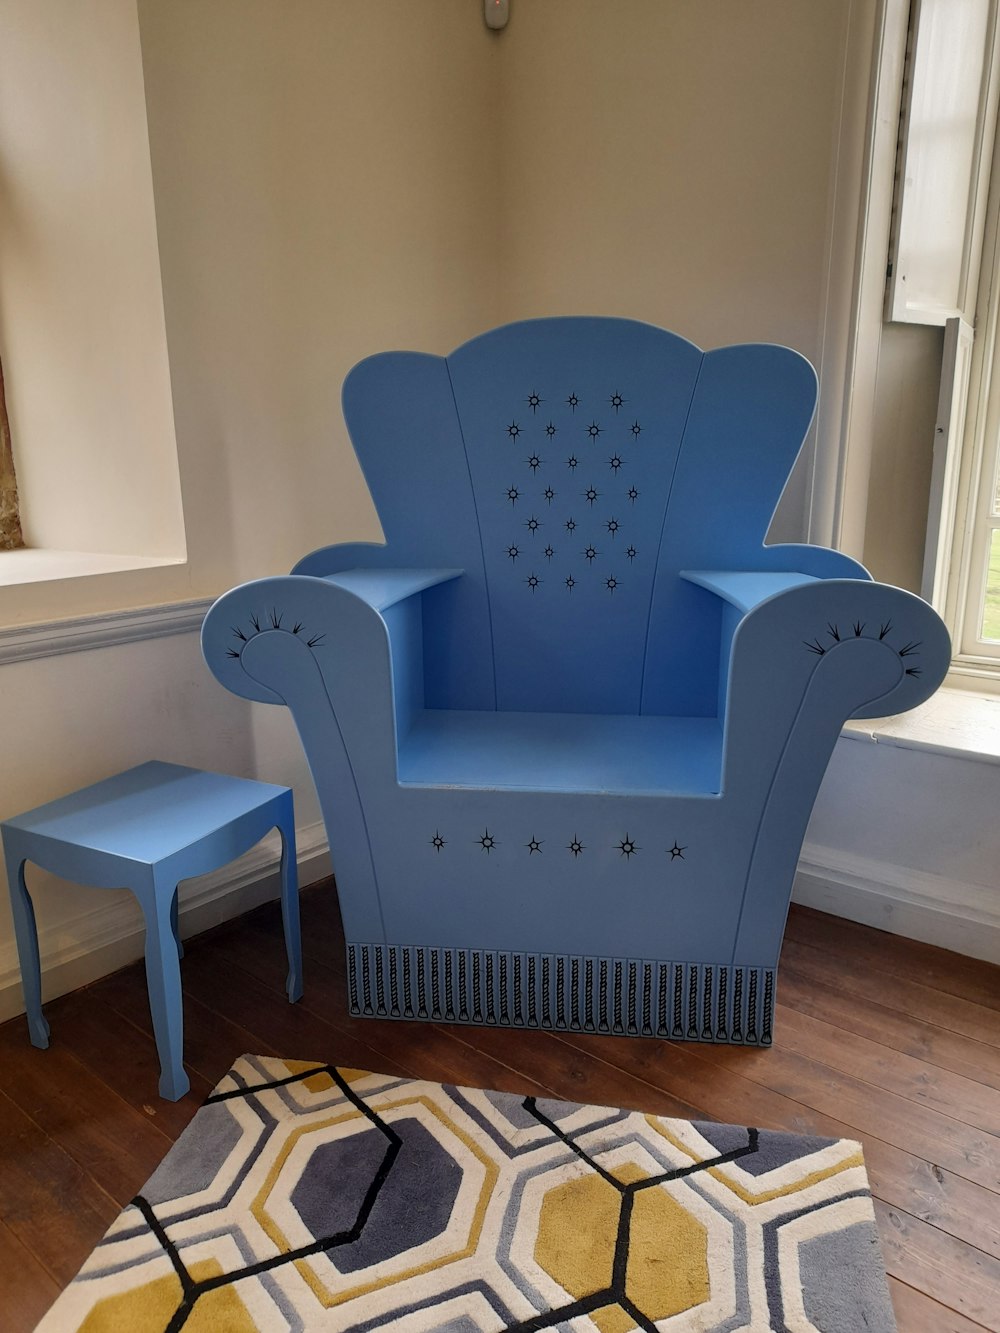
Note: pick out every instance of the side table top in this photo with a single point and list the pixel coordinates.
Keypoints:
(148, 812)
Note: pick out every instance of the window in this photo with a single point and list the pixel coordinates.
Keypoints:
(943, 269)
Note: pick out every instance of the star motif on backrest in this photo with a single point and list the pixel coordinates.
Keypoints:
(614, 462)
(676, 851)
(513, 552)
(591, 552)
(487, 841)
(532, 524)
(570, 582)
(437, 842)
(627, 847)
(632, 494)
(612, 525)
(572, 402)
(611, 583)
(513, 494)
(631, 552)
(616, 401)
(571, 461)
(549, 494)
(550, 430)
(570, 524)
(513, 430)
(532, 581)
(590, 495)
(576, 846)
(593, 430)
(636, 428)
(534, 401)
(534, 462)
(549, 552)
(534, 846)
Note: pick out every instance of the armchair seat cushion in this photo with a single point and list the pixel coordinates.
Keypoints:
(580, 752)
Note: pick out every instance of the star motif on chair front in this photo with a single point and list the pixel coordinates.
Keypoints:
(616, 401)
(532, 524)
(627, 847)
(591, 552)
(549, 494)
(572, 402)
(534, 462)
(636, 428)
(437, 842)
(534, 401)
(513, 494)
(571, 461)
(550, 430)
(611, 584)
(534, 846)
(487, 841)
(532, 581)
(513, 552)
(632, 494)
(590, 495)
(676, 851)
(576, 846)
(631, 552)
(614, 462)
(612, 525)
(593, 430)
(513, 430)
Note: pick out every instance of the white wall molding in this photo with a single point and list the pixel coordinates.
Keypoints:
(21, 643)
(923, 906)
(108, 933)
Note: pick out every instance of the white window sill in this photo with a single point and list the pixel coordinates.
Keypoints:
(960, 723)
(37, 565)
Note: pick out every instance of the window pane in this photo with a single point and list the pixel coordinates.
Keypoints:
(991, 605)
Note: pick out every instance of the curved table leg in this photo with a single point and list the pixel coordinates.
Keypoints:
(290, 901)
(26, 934)
(163, 977)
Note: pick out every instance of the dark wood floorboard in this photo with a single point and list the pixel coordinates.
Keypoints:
(877, 1038)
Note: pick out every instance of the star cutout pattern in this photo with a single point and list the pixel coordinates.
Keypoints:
(608, 511)
(627, 846)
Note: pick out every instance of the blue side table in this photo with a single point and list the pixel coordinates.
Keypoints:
(145, 830)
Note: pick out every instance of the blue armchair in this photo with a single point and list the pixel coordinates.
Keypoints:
(568, 724)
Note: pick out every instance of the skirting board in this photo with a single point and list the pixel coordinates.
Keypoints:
(109, 934)
(950, 913)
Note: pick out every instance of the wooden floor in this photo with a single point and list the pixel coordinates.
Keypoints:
(876, 1038)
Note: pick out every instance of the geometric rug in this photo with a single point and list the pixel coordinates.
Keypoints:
(305, 1197)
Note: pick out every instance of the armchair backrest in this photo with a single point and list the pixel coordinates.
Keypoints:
(572, 467)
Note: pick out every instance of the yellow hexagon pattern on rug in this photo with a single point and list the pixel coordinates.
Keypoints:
(577, 1231)
(149, 1308)
(667, 1269)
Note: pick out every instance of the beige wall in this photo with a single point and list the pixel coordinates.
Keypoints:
(81, 311)
(323, 177)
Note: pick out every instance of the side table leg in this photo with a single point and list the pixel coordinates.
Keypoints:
(163, 977)
(26, 934)
(290, 904)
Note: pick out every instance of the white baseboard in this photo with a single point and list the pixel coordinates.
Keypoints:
(922, 906)
(108, 935)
